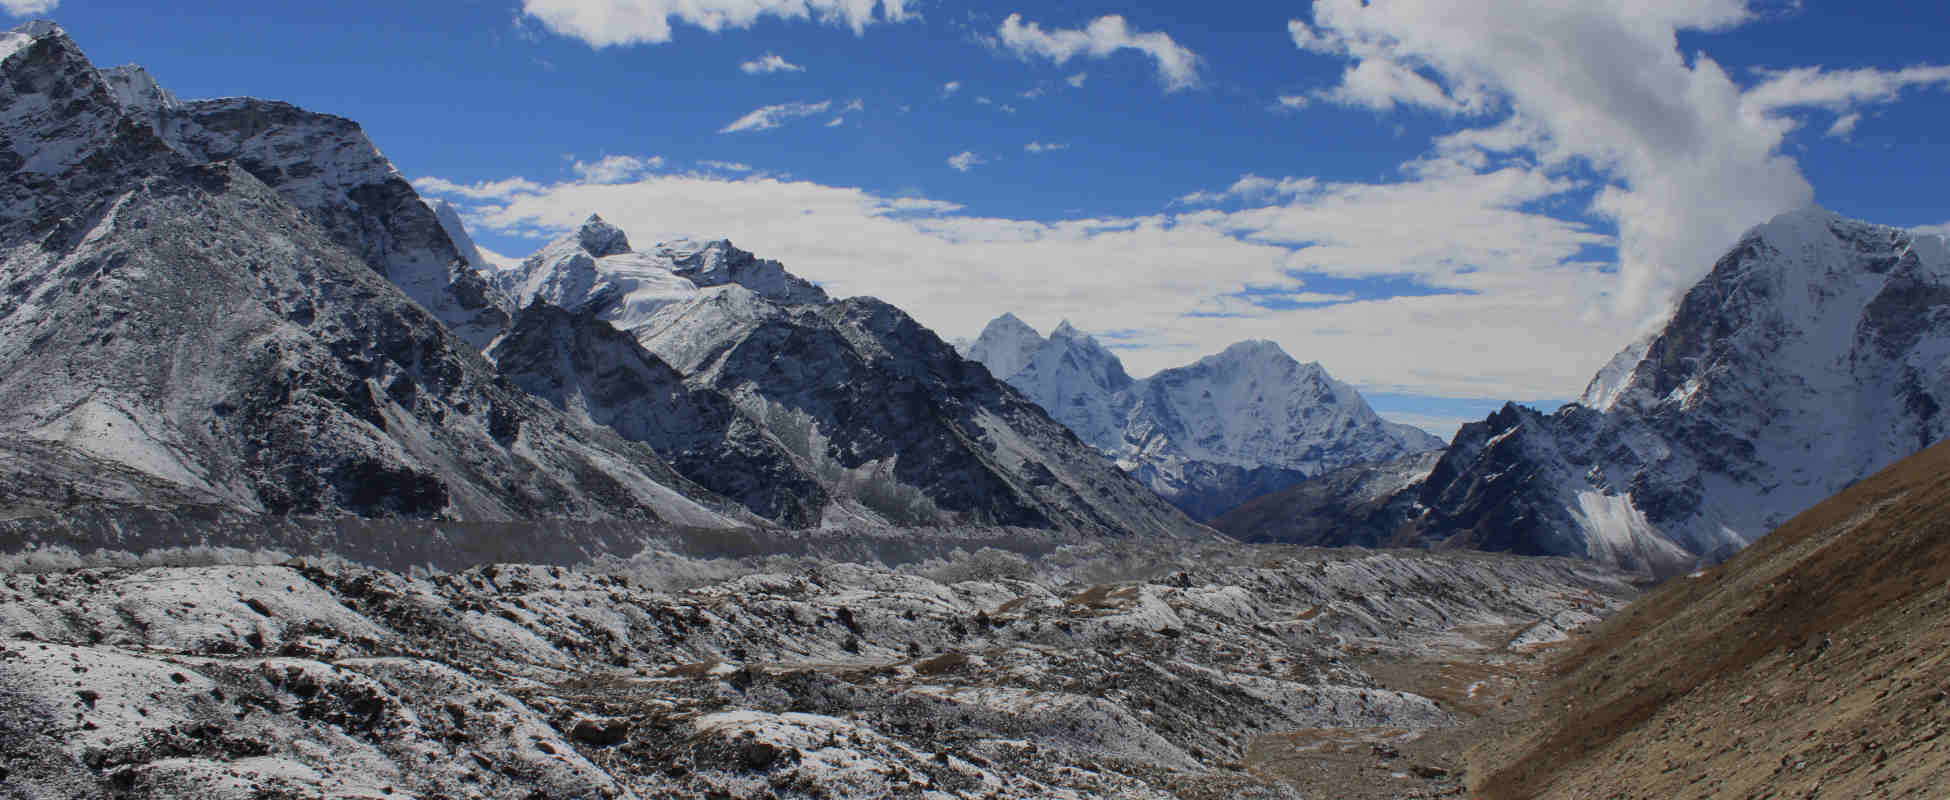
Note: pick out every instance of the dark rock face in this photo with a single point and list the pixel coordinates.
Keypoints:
(184, 320)
(718, 263)
(588, 369)
(1811, 356)
(240, 304)
(887, 415)
(1363, 506)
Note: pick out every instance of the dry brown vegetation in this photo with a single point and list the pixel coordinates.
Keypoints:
(1814, 664)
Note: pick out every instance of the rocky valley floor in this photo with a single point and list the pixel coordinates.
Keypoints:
(1208, 671)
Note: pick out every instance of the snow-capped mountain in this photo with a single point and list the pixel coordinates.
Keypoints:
(1207, 436)
(1816, 352)
(1005, 346)
(805, 409)
(239, 303)
(327, 167)
(601, 376)
(206, 317)
(594, 269)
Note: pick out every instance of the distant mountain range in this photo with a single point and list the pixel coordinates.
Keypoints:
(1816, 352)
(1209, 435)
(240, 304)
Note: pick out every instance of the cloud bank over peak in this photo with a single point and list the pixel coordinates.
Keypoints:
(1684, 163)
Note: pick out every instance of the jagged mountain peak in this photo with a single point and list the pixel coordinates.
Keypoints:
(26, 33)
(1209, 435)
(1064, 330)
(63, 109)
(598, 238)
(593, 268)
(139, 93)
(1264, 352)
(1006, 345)
(1810, 355)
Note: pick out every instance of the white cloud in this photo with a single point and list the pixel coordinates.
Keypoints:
(950, 88)
(602, 23)
(1045, 147)
(921, 205)
(769, 63)
(29, 8)
(1687, 162)
(766, 118)
(1843, 92)
(482, 190)
(1076, 81)
(726, 166)
(1511, 272)
(965, 161)
(1254, 188)
(855, 105)
(1292, 102)
(1844, 125)
(1177, 65)
(1840, 90)
(616, 169)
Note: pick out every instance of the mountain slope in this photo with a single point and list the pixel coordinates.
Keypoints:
(602, 376)
(1814, 353)
(1810, 662)
(850, 400)
(188, 323)
(1207, 436)
(327, 167)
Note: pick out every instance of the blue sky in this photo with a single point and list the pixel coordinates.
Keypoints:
(1446, 203)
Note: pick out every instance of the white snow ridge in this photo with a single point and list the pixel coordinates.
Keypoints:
(1210, 435)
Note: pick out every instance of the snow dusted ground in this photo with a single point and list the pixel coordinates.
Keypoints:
(1094, 670)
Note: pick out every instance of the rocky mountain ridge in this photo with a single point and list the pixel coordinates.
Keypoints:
(1209, 435)
(851, 403)
(185, 323)
(184, 305)
(1814, 353)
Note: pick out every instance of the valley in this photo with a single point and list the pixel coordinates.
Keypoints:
(304, 492)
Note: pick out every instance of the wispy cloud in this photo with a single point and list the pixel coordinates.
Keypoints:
(766, 118)
(480, 190)
(603, 23)
(1045, 147)
(1254, 188)
(726, 166)
(1177, 65)
(965, 161)
(769, 63)
(950, 88)
(616, 169)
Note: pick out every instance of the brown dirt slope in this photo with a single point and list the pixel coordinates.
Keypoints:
(1814, 664)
